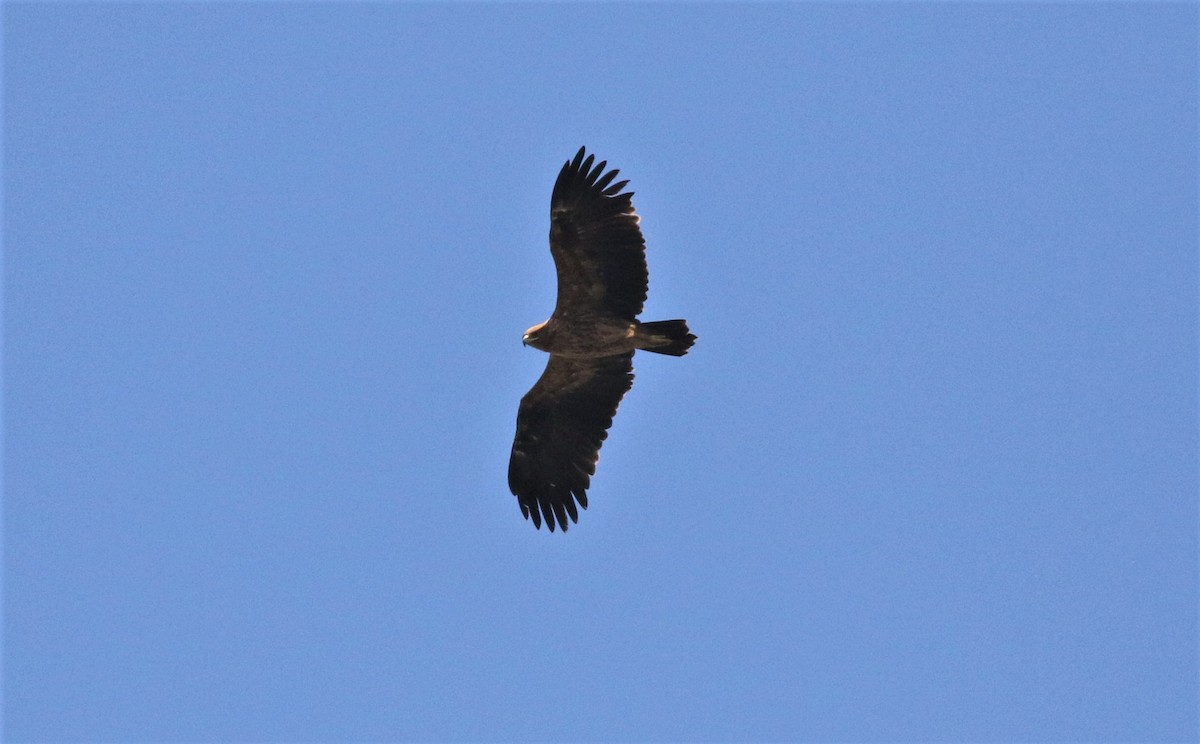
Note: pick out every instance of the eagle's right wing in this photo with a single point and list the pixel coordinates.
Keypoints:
(561, 424)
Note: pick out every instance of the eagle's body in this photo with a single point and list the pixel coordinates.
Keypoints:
(589, 337)
(600, 258)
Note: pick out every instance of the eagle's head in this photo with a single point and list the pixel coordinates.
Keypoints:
(536, 336)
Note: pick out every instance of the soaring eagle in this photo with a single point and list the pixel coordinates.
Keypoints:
(600, 258)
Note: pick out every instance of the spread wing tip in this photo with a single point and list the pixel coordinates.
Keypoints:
(579, 175)
(556, 513)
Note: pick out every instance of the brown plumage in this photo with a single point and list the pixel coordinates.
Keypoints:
(600, 258)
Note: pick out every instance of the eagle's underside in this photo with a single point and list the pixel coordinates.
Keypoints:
(599, 256)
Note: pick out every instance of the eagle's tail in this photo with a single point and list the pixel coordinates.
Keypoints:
(665, 337)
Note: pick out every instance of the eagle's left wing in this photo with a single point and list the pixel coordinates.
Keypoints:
(561, 424)
(599, 253)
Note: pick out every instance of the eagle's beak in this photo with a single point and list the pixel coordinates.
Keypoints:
(525, 340)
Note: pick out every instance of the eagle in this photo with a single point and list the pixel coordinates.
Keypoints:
(600, 258)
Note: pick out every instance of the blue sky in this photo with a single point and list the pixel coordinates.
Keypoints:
(930, 472)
